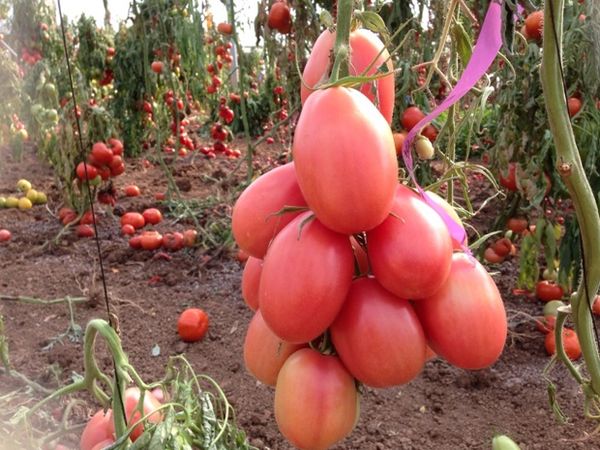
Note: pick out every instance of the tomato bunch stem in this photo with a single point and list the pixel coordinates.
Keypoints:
(574, 177)
(342, 41)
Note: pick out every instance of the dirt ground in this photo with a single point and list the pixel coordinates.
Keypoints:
(444, 408)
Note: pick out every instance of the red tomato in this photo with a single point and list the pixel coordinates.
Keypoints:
(88, 218)
(225, 28)
(516, 224)
(250, 282)
(117, 166)
(150, 406)
(151, 240)
(323, 149)
(546, 324)
(135, 219)
(152, 216)
(364, 47)
(101, 155)
(411, 116)
(92, 172)
(316, 403)
(253, 221)
(574, 106)
(5, 235)
(534, 25)
(85, 231)
(596, 305)
(98, 429)
(378, 336)
(465, 321)
(116, 146)
(127, 230)
(492, 257)
(411, 251)
(264, 351)
(547, 290)
(173, 241)
(570, 343)
(135, 242)
(132, 191)
(502, 247)
(510, 181)
(430, 132)
(157, 66)
(279, 18)
(399, 142)
(192, 325)
(189, 237)
(305, 278)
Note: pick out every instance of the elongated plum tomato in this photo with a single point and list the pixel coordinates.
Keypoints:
(98, 429)
(316, 403)
(254, 222)
(364, 47)
(411, 251)
(305, 278)
(465, 321)
(378, 336)
(251, 281)
(345, 160)
(150, 406)
(264, 351)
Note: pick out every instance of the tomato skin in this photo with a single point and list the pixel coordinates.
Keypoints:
(189, 237)
(411, 251)
(316, 403)
(516, 224)
(98, 429)
(135, 219)
(254, 223)
(323, 149)
(128, 230)
(465, 321)
(156, 66)
(364, 47)
(85, 231)
(510, 181)
(279, 18)
(192, 325)
(116, 146)
(151, 240)
(251, 282)
(502, 247)
(547, 290)
(399, 139)
(596, 305)
(264, 352)
(5, 235)
(132, 191)
(101, 154)
(135, 242)
(570, 343)
(534, 25)
(411, 116)
(305, 280)
(131, 399)
(378, 336)
(152, 216)
(573, 105)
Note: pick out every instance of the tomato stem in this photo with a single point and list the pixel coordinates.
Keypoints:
(342, 41)
(586, 209)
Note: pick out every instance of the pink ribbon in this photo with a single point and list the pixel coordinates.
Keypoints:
(485, 51)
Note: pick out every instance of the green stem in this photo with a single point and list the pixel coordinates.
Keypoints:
(342, 41)
(573, 175)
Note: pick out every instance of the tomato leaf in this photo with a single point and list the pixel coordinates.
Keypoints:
(373, 21)
(529, 269)
(462, 42)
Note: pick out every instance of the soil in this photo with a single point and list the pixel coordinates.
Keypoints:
(444, 408)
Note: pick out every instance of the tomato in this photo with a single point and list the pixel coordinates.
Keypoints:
(101, 154)
(411, 251)
(399, 142)
(264, 351)
(323, 149)
(152, 216)
(503, 442)
(502, 247)
(135, 219)
(546, 324)
(98, 429)
(430, 132)
(361, 258)
(411, 116)
(103, 444)
(151, 240)
(279, 18)
(135, 241)
(517, 224)
(570, 344)
(449, 209)
(251, 281)
(86, 171)
(574, 106)
(5, 235)
(424, 148)
(316, 403)
(492, 257)
(173, 241)
(84, 231)
(150, 406)
(595, 305)
(364, 47)
(548, 290)
(253, 221)
(378, 336)
(305, 278)
(189, 237)
(192, 325)
(116, 146)
(225, 28)
(132, 191)
(534, 25)
(156, 66)
(464, 321)
(510, 181)
(117, 166)
(128, 230)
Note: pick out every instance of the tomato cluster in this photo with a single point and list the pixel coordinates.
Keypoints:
(361, 261)
(103, 163)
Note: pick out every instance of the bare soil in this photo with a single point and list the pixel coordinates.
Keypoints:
(444, 408)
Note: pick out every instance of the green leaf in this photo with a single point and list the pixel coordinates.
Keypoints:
(373, 21)
(462, 42)
(529, 269)
(326, 19)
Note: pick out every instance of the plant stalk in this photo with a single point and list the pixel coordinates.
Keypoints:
(342, 41)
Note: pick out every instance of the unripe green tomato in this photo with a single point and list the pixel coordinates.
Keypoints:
(424, 148)
(23, 185)
(41, 198)
(549, 274)
(50, 90)
(36, 109)
(504, 443)
(551, 308)
(3, 202)
(51, 115)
